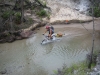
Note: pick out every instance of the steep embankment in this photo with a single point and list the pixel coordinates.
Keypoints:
(68, 10)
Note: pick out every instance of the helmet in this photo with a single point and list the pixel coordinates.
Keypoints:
(47, 27)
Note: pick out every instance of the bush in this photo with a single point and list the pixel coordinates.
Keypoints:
(32, 7)
(96, 6)
(42, 13)
(75, 69)
(6, 15)
(18, 17)
(44, 3)
(97, 12)
(30, 21)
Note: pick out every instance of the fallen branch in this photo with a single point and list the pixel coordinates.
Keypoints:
(5, 5)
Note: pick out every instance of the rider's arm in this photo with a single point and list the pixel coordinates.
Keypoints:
(45, 31)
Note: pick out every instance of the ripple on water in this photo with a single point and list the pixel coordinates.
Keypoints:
(33, 58)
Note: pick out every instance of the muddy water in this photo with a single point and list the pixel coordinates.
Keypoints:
(29, 57)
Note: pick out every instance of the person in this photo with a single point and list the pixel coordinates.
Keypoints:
(49, 29)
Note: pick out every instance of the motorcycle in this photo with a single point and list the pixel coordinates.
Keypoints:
(48, 40)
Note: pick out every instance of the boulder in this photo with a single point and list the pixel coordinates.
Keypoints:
(26, 34)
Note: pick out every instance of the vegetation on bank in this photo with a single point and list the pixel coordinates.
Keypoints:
(12, 14)
(75, 69)
(96, 8)
(14, 18)
(80, 68)
(97, 11)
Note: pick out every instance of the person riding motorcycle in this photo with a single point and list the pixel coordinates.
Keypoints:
(49, 29)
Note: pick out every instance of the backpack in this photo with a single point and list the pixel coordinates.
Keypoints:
(52, 28)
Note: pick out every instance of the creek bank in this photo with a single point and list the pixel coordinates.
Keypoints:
(69, 21)
(69, 10)
(9, 36)
(96, 69)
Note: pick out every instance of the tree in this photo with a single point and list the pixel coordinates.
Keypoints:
(91, 54)
(22, 10)
(16, 6)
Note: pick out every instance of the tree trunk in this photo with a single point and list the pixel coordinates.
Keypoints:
(11, 25)
(91, 55)
(22, 11)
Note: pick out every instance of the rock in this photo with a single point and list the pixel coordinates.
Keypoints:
(26, 34)
(95, 69)
(18, 37)
(4, 34)
(38, 29)
(34, 32)
(3, 72)
(43, 23)
(17, 33)
(2, 41)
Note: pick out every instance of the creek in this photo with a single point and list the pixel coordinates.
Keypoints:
(29, 57)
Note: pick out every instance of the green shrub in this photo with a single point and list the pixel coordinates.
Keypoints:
(18, 17)
(96, 8)
(32, 7)
(44, 3)
(75, 69)
(97, 11)
(48, 16)
(6, 15)
(30, 21)
(42, 13)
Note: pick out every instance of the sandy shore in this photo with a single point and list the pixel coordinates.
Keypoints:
(88, 25)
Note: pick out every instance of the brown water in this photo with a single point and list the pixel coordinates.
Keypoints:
(29, 57)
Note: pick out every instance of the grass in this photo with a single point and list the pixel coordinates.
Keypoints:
(75, 69)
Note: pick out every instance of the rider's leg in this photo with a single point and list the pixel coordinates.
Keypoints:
(50, 36)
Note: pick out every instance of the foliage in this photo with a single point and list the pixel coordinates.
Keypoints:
(42, 2)
(15, 10)
(30, 21)
(48, 16)
(96, 7)
(75, 69)
(6, 15)
(18, 17)
(97, 11)
(32, 7)
(42, 13)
